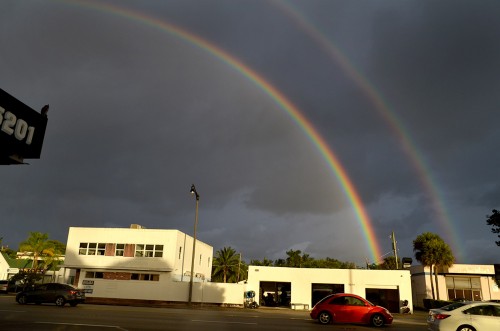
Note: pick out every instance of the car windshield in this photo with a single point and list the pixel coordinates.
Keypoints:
(453, 306)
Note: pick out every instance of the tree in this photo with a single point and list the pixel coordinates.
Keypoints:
(294, 259)
(38, 246)
(389, 263)
(264, 262)
(59, 247)
(431, 251)
(443, 258)
(226, 264)
(423, 255)
(494, 221)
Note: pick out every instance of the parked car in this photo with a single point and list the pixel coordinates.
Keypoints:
(350, 308)
(4, 286)
(60, 294)
(465, 316)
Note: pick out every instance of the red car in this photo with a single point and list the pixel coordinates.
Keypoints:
(350, 308)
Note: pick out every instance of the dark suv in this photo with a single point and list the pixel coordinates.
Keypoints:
(60, 294)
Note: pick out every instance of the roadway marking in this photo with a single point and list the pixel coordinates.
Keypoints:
(90, 325)
(409, 322)
(223, 322)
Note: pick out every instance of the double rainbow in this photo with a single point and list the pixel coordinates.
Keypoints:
(278, 97)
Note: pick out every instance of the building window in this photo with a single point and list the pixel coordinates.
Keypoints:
(92, 249)
(120, 249)
(150, 277)
(83, 249)
(94, 274)
(148, 250)
(180, 252)
(463, 288)
(101, 249)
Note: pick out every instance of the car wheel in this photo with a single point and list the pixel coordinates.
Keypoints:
(60, 301)
(22, 300)
(465, 328)
(377, 320)
(324, 317)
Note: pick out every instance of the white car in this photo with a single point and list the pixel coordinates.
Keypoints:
(465, 316)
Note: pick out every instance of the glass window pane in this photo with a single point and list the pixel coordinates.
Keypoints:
(468, 295)
(462, 282)
(451, 294)
(475, 282)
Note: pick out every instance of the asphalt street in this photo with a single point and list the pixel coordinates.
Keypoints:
(126, 318)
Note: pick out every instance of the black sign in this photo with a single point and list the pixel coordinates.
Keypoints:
(22, 130)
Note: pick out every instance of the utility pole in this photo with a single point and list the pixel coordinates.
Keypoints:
(394, 248)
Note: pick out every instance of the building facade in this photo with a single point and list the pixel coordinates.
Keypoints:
(461, 281)
(304, 287)
(24, 262)
(136, 263)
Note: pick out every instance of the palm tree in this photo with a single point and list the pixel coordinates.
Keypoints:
(37, 245)
(444, 258)
(432, 251)
(226, 263)
(423, 255)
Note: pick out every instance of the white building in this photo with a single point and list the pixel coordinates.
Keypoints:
(10, 267)
(460, 281)
(303, 287)
(138, 264)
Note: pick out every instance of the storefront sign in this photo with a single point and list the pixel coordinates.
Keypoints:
(22, 130)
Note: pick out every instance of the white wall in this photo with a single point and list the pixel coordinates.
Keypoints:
(355, 281)
(172, 240)
(163, 290)
(422, 289)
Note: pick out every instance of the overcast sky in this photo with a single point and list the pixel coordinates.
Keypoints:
(404, 93)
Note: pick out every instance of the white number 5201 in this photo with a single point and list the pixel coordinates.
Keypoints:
(10, 124)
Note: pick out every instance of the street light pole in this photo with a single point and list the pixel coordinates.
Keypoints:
(195, 193)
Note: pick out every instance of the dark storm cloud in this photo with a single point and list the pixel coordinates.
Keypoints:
(137, 115)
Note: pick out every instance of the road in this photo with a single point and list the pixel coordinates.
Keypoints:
(125, 318)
